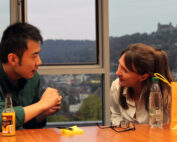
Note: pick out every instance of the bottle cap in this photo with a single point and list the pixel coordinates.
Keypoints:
(155, 79)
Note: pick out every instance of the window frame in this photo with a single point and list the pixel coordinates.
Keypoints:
(19, 14)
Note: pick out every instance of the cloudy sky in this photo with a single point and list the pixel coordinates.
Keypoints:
(4, 15)
(130, 16)
(63, 19)
(75, 19)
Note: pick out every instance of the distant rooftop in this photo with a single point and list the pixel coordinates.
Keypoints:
(166, 27)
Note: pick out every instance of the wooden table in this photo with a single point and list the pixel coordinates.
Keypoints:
(143, 133)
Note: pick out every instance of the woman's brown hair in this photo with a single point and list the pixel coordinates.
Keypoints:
(140, 57)
(147, 59)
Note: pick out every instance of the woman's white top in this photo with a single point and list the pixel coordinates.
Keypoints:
(118, 113)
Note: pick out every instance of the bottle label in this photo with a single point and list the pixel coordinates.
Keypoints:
(8, 123)
(158, 115)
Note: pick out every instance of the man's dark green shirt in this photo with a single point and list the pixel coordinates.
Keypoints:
(26, 93)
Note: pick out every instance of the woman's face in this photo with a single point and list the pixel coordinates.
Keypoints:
(128, 78)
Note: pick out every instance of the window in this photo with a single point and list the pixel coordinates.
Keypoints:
(4, 15)
(68, 28)
(82, 96)
(75, 56)
(132, 21)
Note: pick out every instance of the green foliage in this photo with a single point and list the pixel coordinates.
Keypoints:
(91, 109)
(68, 51)
(57, 118)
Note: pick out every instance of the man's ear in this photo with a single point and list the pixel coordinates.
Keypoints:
(13, 59)
(144, 76)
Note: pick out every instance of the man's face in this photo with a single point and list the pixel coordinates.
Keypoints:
(30, 61)
(127, 78)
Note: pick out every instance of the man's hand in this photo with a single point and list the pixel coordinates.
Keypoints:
(52, 101)
(53, 109)
(50, 98)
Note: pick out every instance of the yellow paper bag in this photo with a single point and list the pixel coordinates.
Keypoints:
(173, 111)
(173, 117)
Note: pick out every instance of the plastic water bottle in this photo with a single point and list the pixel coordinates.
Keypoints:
(155, 105)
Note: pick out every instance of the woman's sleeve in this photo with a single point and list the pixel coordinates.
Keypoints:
(114, 103)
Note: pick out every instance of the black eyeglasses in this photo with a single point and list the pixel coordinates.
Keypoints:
(122, 127)
(62, 127)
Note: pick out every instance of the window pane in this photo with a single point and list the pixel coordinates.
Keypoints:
(133, 21)
(68, 28)
(4, 15)
(81, 96)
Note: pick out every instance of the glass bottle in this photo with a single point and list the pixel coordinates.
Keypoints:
(8, 117)
(155, 105)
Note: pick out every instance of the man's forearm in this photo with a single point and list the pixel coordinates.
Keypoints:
(32, 111)
(49, 100)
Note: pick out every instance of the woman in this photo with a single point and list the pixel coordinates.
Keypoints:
(130, 92)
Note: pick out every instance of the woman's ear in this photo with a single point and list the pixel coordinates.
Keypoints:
(144, 76)
(13, 59)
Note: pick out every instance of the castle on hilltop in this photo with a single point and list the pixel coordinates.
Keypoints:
(166, 27)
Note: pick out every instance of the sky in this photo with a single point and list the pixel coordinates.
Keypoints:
(4, 15)
(132, 16)
(75, 19)
(63, 19)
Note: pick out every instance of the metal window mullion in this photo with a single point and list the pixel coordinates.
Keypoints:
(15, 11)
(106, 60)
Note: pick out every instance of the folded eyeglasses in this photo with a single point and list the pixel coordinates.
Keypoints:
(122, 127)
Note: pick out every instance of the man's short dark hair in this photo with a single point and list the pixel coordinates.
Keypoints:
(14, 40)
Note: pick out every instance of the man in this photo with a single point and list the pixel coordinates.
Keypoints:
(19, 61)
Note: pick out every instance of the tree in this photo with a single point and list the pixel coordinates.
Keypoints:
(91, 109)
